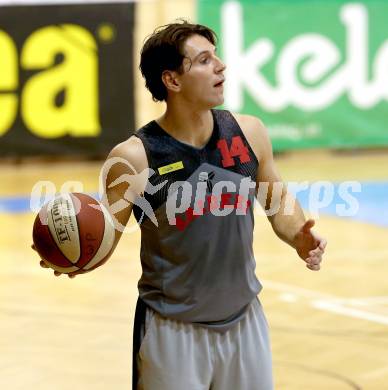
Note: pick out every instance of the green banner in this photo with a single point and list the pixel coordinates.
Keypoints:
(316, 72)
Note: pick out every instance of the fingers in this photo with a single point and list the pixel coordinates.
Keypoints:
(318, 247)
(57, 273)
(314, 263)
(43, 264)
(316, 252)
(322, 245)
(314, 260)
(315, 267)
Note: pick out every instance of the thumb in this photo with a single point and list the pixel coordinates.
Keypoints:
(308, 225)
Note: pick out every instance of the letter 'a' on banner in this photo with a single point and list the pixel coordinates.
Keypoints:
(66, 76)
(314, 72)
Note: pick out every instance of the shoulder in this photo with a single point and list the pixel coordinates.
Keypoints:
(132, 150)
(247, 120)
(128, 158)
(256, 134)
(251, 125)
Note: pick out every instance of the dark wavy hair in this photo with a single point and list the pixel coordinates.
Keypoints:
(163, 50)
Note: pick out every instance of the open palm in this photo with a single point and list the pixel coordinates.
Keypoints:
(309, 246)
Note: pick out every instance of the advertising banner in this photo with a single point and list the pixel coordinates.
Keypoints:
(66, 77)
(316, 72)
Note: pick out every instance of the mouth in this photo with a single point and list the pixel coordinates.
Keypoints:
(219, 83)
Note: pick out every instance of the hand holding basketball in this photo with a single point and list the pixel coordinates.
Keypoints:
(73, 234)
(43, 264)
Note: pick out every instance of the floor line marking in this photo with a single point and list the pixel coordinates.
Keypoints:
(328, 302)
(350, 312)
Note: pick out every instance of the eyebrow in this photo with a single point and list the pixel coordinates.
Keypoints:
(203, 52)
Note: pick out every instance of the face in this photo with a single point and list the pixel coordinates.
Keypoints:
(202, 80)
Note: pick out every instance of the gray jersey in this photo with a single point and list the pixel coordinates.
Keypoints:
(196, 247)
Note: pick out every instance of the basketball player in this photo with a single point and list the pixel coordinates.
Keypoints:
(199, 324)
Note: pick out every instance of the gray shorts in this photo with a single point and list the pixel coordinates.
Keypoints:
(174, 355)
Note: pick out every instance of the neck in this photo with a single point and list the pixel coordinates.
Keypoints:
(193, 127)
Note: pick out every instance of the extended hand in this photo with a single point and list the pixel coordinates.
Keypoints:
(56, 273)
(310, 246)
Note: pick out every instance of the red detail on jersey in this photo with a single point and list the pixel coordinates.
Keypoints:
(181, 223)
(225, 201)
(237, 149)
(212, 202)
(241, 203)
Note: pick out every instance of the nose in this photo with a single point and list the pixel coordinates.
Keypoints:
(220, 66)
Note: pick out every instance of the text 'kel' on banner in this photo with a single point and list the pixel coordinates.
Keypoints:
(66, 78)
(316, 72)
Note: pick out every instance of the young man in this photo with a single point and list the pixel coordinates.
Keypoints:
(198, 323)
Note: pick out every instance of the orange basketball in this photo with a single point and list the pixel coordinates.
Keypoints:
(73, 232)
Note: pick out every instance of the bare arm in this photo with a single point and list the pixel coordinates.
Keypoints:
(123, 166)
(289, 225)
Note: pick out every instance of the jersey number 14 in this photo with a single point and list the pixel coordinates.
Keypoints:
(237, 149)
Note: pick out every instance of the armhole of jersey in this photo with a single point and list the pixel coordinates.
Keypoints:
(242, 133)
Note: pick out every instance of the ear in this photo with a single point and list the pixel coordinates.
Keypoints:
(171, 80)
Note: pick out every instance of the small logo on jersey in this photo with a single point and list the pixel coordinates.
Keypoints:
(170, 168)
(207, 176)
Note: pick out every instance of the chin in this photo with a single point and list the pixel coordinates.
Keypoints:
(217, 101)
(212, 103)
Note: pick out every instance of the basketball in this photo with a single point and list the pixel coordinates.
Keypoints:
(73, 232)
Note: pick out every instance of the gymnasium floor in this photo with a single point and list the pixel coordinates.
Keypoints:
(329, 330)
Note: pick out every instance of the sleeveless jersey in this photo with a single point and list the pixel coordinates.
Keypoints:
(196, 238)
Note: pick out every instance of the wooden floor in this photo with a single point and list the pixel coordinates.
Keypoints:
(329, 330)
